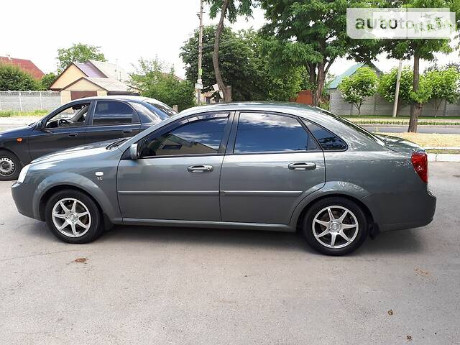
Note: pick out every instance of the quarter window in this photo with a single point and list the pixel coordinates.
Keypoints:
(328, 140)
(260, 132)
(109, 113)
(196, 137)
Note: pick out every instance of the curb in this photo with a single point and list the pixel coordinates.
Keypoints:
(443, 157)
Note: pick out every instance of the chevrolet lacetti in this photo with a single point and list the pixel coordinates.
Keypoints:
(258, 166)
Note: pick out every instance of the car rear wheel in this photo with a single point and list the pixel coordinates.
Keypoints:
(73, 217)
(335, 226)
(10, 167)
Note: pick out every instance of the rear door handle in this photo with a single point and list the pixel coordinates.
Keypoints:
(73, 134)
(200, 168)
(302, 166)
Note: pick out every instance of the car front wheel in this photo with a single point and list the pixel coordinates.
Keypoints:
(10, 167)
(73, 217)
(335, 226)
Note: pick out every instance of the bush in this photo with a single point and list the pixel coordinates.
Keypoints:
(12, 78)
(165, 87)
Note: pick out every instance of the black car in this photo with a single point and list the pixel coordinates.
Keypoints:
(79, 122)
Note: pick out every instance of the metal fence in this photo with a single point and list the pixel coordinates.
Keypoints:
(29, 100)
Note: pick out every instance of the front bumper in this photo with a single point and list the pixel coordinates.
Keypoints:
(22, 196)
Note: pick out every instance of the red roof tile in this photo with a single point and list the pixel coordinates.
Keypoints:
(25, 65)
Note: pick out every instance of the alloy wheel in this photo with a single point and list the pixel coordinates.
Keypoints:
(71, 217)
(335, 227)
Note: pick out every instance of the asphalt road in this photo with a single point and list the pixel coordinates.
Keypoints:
(185, 286)
(420, 129)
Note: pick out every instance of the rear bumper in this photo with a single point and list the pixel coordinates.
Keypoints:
(409, 211)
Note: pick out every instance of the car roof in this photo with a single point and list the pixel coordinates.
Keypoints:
(258, 106)
(116, 97)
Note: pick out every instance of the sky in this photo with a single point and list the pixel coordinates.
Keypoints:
(125, 31)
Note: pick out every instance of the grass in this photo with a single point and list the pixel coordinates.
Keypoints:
(450, 121)
(402, 117)
(11, 113)
(430, 140)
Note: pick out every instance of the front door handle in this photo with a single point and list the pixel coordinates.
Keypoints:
(126, 131)
(73, 134)
(302, 166)
(200, 168)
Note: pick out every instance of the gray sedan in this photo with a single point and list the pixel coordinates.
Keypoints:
(281, 167)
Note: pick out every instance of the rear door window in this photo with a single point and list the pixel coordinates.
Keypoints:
(265, 133)
(110, 113)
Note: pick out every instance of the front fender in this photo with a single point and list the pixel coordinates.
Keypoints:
(79, 182)
(336, 188)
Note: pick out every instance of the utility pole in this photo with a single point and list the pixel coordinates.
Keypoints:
(398, 82)
(199, 82)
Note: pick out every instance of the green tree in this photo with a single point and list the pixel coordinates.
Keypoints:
(12, 78)
(154, 82)
(445, 86)
(419, 49)
(362, 84)
(243, 65)
(387, 86)
(47, 80)
(229, 9)
(78, 52)
(312, 34)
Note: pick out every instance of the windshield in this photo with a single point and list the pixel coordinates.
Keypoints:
(354, 126)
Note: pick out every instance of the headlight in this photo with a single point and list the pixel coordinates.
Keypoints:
(23, 173)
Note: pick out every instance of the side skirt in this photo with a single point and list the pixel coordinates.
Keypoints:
(207, 224)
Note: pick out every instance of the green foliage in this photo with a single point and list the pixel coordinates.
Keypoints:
(9, 113)
(154, 82)
(78, 52)
(444, 85)
(312, 34)
(423, 93)
(47, 81)
(362, 84)
(387, 85)
(14, 79)
(244, 66)
(235, 8)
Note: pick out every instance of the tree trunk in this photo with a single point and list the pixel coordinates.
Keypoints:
(215, 55)
(320, 83)
(415, 108)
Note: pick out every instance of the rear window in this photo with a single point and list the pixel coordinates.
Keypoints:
(353, 126)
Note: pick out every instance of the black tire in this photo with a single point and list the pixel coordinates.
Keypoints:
(9, 160)
(95, 218)
(338, 205)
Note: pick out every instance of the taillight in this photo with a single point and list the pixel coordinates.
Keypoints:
(420, 163)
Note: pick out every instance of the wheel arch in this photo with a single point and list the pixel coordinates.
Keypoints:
(304, 209)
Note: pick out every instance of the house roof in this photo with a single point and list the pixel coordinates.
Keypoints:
(89, 70)
(25, 65)
(108, 84)
(349, 72)
(110, 70)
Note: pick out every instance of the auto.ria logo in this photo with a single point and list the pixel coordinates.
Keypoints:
(411, 23)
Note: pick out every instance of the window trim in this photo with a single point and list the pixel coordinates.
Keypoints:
(135, 114)
(201, 116)
(233, 135)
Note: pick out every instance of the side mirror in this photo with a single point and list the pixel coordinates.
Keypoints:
(134, 151)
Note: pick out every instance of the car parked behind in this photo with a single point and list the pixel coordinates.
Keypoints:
(79, 122)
